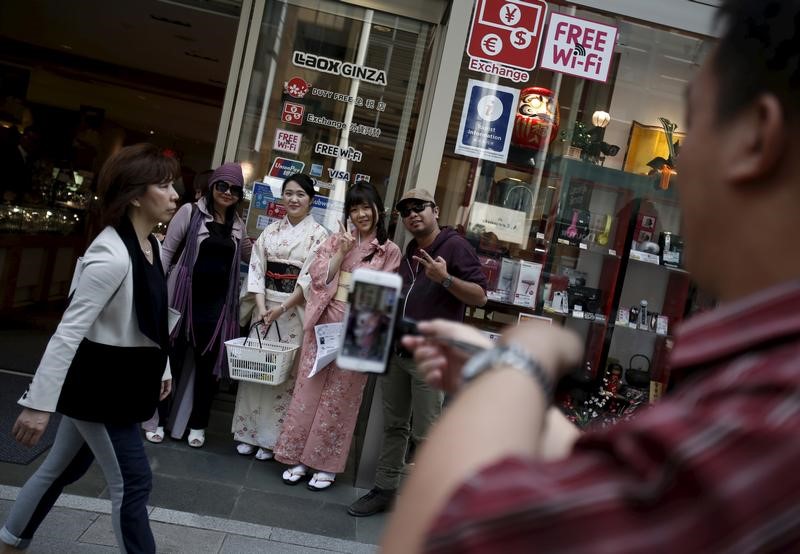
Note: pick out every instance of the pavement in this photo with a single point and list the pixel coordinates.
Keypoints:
(79, 525)
(203, 500)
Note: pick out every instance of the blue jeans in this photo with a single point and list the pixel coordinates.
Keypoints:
(119, 451)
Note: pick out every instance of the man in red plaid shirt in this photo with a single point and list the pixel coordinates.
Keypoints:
(715, 466)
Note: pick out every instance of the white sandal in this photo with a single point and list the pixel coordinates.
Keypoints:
(197, 438)
(321, 480)
(293, 475)
(264, 454)
(244, 449)
(155, 436)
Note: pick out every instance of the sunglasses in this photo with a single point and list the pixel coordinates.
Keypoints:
(405, 211)
(222, 186)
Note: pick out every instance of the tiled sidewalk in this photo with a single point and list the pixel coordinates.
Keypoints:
(83, 525)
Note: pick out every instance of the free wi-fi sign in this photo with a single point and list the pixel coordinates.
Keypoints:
(579, 47)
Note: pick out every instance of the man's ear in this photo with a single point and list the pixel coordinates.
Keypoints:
(756, 140)
(436, 212)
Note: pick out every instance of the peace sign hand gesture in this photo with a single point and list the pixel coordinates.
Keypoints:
(435, 270)
(346, 240)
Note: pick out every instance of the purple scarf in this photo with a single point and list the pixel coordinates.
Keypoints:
(228, 323)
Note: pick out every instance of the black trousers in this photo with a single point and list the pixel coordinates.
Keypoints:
(205, 383)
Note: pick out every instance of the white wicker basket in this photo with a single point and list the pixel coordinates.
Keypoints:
(260, 361)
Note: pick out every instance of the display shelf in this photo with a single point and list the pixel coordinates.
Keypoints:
(582, 316)
(622, 326)
(589, 248)
(637, 260)
(500, 305)
(623, 209)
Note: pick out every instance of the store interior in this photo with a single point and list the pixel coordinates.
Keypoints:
(79, 80)
(91, 76)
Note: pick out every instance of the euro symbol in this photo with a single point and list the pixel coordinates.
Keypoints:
(491, 44)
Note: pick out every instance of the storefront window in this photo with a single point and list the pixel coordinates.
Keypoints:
(576, 222)
(335, 93)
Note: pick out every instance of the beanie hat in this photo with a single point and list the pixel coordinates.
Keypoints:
(231, 173)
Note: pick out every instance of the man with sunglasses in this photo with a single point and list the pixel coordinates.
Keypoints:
(441, 276)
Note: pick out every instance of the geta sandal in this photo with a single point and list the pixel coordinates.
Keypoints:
(294, 475)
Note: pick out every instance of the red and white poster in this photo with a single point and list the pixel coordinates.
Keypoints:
(505, 36)
(287, 141)
(579, 47)
(292, 113)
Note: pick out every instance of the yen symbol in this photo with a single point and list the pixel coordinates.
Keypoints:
(491, 44)
(510, 14)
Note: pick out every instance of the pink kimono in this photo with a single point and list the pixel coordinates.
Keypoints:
(319, 424)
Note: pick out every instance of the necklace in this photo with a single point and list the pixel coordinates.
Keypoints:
(148, 250)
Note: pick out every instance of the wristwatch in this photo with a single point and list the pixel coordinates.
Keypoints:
(447, 281)
(511, 356)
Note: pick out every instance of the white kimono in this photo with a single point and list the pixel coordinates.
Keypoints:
(260, 409)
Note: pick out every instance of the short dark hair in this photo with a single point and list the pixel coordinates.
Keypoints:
(362, 192)
(126, 175)
(758, 52)
(304, 181)
(200, 184)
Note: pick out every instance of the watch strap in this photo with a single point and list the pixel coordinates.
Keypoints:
(447, 282)
(510, 356)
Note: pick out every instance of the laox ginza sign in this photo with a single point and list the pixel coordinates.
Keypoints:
(339, 67)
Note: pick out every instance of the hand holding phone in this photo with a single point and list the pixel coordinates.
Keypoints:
(369, 321)
(442, 348)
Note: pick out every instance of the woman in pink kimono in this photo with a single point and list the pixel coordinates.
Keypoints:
(318, 427)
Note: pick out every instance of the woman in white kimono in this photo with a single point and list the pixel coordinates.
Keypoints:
(276, 261)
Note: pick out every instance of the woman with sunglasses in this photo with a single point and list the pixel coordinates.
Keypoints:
(278, 256)
(319, 424)
(202, 249)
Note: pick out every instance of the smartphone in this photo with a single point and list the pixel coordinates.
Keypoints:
(369, 321)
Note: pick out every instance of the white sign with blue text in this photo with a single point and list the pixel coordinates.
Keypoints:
(486, 121)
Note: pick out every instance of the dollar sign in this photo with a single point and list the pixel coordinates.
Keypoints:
(521, 39)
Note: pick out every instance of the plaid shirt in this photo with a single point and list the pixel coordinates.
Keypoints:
(714, 467)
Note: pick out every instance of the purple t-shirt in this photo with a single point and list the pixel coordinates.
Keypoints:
(426, 299)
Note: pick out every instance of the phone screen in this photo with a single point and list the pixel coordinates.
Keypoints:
(368, 331)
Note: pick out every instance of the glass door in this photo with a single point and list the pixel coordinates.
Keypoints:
(334, 91)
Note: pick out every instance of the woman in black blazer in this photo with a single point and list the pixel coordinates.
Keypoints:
(106, 366)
